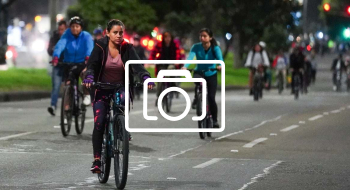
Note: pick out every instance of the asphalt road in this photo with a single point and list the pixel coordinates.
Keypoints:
(276, 143)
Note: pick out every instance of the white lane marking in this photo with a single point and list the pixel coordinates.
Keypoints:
(301, 122)
(254, 142)
(230, 134)
(273, 134)
(184, 151)
(289, 128)
(267, 121)
(14, 136)
(266, 172)
(171, 178)
(248, 129)
(234, 151)
(325, 113)
(89, 120)
(342, 108)
(57, 127)
(210, 162)
(315, 117)
(335, 111)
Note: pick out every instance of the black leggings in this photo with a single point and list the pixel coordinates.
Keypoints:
(101, 109)
(212, 83)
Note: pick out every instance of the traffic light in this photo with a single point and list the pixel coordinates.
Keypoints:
(327, 7)
(346, 33)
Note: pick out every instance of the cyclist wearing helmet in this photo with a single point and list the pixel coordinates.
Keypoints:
(76, 45)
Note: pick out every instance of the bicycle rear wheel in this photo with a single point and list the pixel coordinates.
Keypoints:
(201, 124)
(66, 116)
(280, 83)
(105, 158)
(121, 152)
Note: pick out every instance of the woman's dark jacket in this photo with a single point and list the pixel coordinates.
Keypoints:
(98, 58)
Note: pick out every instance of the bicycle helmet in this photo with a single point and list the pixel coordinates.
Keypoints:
(76, 20)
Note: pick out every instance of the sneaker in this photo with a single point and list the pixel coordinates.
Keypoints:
(251, 92)
(130, 137)
(96, 166)
(334, 88)
(194, 103)
(216, 124)
(52, 110)
(87, 100)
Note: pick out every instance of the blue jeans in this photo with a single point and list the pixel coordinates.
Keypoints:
(56, 80)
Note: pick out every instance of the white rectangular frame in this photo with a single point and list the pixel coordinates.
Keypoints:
(127, 64)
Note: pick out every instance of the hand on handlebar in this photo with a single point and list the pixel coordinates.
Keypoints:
(151, 84)
(88, 81)
(54, 61)
(183, 68)
(218, 67)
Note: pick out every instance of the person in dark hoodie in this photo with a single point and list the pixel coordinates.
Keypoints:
(338, 65)
(167, 49)
(297, 65)
(106, 64)
(57, 72)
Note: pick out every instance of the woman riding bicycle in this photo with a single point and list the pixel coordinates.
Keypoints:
(76, 45)
(106, 65)
(167, 49)
(207, 49)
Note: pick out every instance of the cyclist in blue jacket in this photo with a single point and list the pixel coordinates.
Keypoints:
(207, 49)
(76, 45)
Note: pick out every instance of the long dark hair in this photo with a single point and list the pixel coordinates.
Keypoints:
(213, 42)
(115, 22)
(171, 46)
(171, 41)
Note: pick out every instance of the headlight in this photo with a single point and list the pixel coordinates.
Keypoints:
(9, 54)
(38, 45)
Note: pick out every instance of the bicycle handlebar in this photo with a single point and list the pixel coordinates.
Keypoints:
(100, 85)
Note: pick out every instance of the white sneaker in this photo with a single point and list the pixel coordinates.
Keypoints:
(87, 100)
(334, 88)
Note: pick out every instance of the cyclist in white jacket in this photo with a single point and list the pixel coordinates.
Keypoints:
(256, 56)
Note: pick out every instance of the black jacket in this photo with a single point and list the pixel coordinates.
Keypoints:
(334, 65)
(53, 41)
(297, 61)
(98, 58)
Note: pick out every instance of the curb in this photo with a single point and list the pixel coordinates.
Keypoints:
(35, 95)
(23, 96)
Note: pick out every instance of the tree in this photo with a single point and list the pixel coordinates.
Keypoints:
(246, 20)
(137, 17)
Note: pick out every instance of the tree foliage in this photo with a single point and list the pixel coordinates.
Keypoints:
(137, 17)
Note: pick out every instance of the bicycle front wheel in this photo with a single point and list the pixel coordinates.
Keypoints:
(121, 152)
(201, 124)
(105, 159)
(66, 115)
